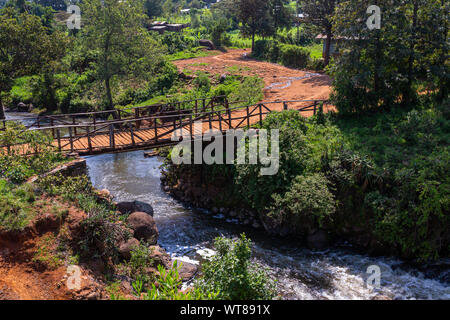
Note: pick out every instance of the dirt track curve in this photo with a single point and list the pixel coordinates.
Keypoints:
(281, 83)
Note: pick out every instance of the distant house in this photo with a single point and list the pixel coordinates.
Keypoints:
(334, 46)
(163, 26)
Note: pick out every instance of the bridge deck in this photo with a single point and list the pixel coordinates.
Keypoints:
(142, 132)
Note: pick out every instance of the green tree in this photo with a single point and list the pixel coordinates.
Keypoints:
(153, 8)
(114, 31)
(26, 48)
(255, 18)
(381, 68)
(319, 13)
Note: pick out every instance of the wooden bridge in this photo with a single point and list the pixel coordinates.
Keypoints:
(150, 126)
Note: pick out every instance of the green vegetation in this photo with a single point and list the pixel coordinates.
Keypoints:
(233, 275)
(169, 284)
(229, 275)
(14, 166)
(382, 175)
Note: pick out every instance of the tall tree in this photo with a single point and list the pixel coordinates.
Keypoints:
(153, 8)
(254, 16)
(26, 47)
(319, 13)
(114, 31)
(382, 68)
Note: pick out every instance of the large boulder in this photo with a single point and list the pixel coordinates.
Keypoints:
(186, 270)
(127, 207)
(207, 43)
(127, 247)
(144, 227)
(160, 257)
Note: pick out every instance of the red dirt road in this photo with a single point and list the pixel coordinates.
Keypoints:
(282, 84)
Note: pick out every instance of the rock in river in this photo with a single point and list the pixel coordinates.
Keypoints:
(127, 207)
(144, 227)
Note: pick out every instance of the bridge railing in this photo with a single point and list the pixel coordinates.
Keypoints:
(141, 132)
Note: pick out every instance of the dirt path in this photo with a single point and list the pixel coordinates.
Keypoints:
(281, 83)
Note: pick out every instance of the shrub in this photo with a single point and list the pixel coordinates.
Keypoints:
(307, 204)
(202, 82)
(250, 90)
(232, 274)
(294, 56)
(169, 284)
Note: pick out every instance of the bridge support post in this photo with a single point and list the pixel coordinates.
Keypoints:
(53, 129)
(89, 139)
(156, 130)
(248, 117)
(260, 115)
(71, 139)
(112, 142)
(130, 125)
(58, 136)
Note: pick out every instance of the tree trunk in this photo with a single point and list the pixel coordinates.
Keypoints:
(253, 41)
(443, 81)
(328, 45)
(409, 91)
(2, 112)
(108, 94)
(109, 97)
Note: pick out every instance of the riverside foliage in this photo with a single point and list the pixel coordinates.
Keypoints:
(383, 175)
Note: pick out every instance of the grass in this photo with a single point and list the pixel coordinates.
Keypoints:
(315, 50)
(197, 52)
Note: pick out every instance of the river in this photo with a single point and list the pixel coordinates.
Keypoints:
(186, 233)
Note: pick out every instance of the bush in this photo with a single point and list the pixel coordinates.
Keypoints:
(15, 211)
(232, 274)
(202, 82)
(250, 90)
(289, 55)
(294, 56)
(307, 204)
(169, 287)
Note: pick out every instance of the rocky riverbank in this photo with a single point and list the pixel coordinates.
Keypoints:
(64, 244)
(191, 186)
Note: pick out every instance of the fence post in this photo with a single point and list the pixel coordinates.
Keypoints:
(156, 130)
(130, 125)
(136, 115)
(58, 136)
(74, 128)
(260, 115)
(315, 107)
(89, 139)
(248, 117)
(285, 105)
(209, 120)
(190, 127)
(95, 122)
(220, 120)
(53, 129)
(112, 142)
(71, 139)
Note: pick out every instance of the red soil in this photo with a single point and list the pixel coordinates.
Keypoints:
(280, 81)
